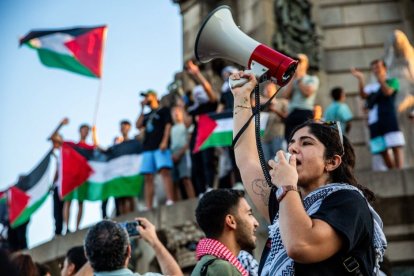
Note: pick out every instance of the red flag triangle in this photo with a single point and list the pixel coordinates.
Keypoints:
(17, 202)
(88, 49)
(74, 170)
(206, 126)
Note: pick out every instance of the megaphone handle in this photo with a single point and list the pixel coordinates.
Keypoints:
(256, 68)
(240, 82)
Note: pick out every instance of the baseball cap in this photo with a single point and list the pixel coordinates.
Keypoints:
(148, 92)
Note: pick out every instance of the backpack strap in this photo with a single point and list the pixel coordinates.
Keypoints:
(204, 268)
(352, 266)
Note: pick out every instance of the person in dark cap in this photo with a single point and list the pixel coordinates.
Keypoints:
(156, 155)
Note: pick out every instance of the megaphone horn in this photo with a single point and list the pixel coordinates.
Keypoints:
(219, 37)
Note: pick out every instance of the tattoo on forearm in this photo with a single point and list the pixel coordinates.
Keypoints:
(260, 188)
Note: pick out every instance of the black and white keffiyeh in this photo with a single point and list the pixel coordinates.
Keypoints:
(278, 262)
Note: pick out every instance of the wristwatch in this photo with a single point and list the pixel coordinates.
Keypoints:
(283, 190)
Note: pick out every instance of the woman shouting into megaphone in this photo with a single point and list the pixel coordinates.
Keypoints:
(321, 219)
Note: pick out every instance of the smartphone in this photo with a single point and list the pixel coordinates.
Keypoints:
(131, 227)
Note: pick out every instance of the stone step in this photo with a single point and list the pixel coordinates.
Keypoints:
(360, 14)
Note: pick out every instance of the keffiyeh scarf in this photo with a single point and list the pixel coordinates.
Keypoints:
(278, 262)
(219, 250)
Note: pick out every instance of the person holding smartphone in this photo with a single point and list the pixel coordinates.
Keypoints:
(108, 250)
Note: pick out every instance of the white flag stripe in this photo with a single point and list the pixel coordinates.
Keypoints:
(126, 165)
(54, 42)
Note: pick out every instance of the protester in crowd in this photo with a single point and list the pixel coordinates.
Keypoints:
(156, 155)
(24, 265)
(83, 133)
(43, 269)
(124, 205)
(229, 225)
(382, 117)
(273, 138)
(7, 267)
(204, 101)
(180, 153)
(16, 236)
(125, 127)
(301, 91)
(74, 260)
(321, 221)
(228, 172)
(226, 97)
(338, 110)
(57, 141)
(108, 249)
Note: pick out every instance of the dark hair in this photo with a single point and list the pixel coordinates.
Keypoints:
(76, 256)
(125, 122)
(84, 125)
(7, 267)
(42, 269)
(378, 60)
(106, 246)
(212, 209)
(329, 137)
(25, 265)
(336, 93)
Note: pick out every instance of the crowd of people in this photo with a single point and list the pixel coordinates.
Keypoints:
(321, 220)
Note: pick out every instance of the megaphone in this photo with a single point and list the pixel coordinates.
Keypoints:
(219, 37)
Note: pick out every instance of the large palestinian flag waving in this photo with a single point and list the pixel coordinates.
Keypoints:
(216, 129)
(115, 172)
(77, 50)
(24, 198)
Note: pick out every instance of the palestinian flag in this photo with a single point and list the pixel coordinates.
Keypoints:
(115, 172)
(216, 129)
(74, 169)
(30, 192)
(78, 50)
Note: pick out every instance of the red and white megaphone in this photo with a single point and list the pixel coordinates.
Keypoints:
(219, 37)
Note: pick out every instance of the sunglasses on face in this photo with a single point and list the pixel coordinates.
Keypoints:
(337, 126)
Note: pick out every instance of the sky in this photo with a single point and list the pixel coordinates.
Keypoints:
(143, 50)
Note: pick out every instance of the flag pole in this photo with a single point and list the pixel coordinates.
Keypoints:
(98, 99)
(98, 96)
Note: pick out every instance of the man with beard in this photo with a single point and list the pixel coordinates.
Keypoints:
(229, 225)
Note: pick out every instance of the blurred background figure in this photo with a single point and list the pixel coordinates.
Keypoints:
(204, 101)
(399, 58)
(24, 265)
(83, 134)
(74, 260)
(273, 138)
(382, 117)
(301, 91)
(180, 151)
(338, 110)
(7, 267)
